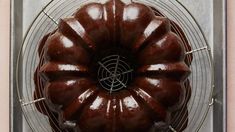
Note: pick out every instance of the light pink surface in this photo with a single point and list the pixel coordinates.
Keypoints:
(231, 65)
(4, 66)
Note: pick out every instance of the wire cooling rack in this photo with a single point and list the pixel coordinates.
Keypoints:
(201, 79)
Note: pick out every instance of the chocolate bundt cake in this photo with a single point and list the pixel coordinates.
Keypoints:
(114, 67)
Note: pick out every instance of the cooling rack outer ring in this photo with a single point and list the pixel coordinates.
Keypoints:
(211, 63)
(20, 60)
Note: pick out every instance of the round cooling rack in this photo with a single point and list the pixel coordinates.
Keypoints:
(201, 78)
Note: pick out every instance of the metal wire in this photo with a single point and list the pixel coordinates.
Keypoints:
(200, 64)
(38, 119)
(200, 80)
(112, 68)
(188, 58)
(197, 69)
(30, 35)
(203, 55)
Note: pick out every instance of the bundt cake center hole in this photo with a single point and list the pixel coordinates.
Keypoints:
(114, 72)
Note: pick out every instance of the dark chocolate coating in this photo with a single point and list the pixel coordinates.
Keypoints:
(64, 75)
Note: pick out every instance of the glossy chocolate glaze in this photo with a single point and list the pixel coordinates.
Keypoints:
(158, 92)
